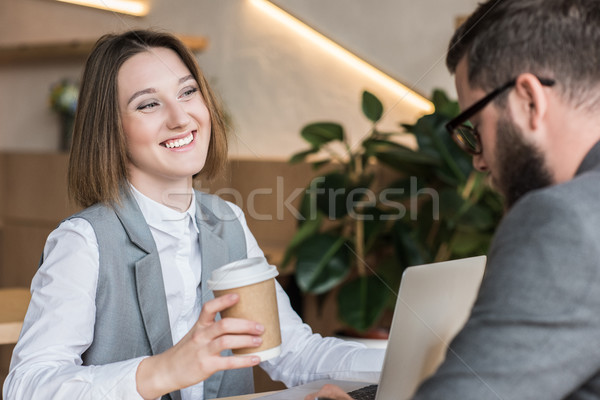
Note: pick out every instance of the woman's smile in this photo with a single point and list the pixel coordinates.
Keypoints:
(180, 142)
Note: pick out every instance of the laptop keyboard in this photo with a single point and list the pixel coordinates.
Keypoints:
(364, 393)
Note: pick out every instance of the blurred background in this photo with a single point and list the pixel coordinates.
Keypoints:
(271, 79)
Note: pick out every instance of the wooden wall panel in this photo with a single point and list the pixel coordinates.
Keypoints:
(2, 168)
(35, 188)
(2, 195)
(20, 252)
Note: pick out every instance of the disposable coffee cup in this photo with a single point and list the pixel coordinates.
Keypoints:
(253, 279)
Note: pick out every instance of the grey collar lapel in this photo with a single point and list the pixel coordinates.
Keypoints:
(134, 223)
(215, 251)
(148, 277)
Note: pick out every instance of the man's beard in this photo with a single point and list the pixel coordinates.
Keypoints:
(521, 166)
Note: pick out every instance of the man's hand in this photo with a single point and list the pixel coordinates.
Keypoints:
(197, 355)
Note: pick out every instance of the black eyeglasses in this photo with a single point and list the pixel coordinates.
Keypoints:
(462, 131)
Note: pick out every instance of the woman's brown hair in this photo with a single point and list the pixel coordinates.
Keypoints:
(98, 160)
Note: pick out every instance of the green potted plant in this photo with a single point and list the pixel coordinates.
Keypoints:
(383, 206)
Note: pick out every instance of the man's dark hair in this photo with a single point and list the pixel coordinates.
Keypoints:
(558, 39)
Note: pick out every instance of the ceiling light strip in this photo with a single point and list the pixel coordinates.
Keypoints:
(417, 100)
(138, 8)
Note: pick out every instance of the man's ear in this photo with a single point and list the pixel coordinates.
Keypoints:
(531, 101)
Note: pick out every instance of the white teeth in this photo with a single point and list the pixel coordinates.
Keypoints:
(179, 142)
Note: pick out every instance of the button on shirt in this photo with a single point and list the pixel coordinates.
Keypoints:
(59, 325)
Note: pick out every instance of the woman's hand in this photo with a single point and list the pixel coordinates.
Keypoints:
(329, 391)
(197, 355)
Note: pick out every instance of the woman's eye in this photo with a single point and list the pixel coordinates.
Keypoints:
(189, 91)
(147, 106)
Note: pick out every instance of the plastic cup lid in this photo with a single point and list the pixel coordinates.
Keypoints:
(242, 273)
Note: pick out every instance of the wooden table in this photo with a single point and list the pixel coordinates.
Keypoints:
(13, 306)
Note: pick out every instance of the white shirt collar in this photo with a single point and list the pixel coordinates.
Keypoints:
(164, 218)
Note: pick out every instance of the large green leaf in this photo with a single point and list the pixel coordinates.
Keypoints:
(424, 129)
(455, 209)
(408, 161)
(308, 209)
(383, 135)
(457, 162)
(445, 147)
(447, 177)
(406, 245)
(371, 106)
(390, 271)
(405, 155)
(469, 243)
(301, 156)
(451, 207)
(309, 228)
(320, 133)
(426, 227)
(318, 164)
(362, 301)
(372, 145)
(329, 193)
(493, 201)
(479, 217)
(433, 139)
(373, 225)
(322, 262)
(443, 105)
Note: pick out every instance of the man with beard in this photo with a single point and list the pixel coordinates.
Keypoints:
(528, 80)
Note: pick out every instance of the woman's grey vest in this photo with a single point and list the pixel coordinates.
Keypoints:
(131, 308)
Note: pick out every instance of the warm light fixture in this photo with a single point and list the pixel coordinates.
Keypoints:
(343, 54)
(139, 8)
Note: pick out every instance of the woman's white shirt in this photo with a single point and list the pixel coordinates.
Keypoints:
(59, 325)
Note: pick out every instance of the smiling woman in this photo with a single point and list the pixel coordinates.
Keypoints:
(158, 72)
(167, 126)
(120, 307)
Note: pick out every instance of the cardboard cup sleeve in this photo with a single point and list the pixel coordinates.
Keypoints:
(253, 279)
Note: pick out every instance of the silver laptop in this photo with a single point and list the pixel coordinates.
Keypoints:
(434, 302)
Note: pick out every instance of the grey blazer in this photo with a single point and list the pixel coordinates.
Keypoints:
(132, 318)
(534, 332)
